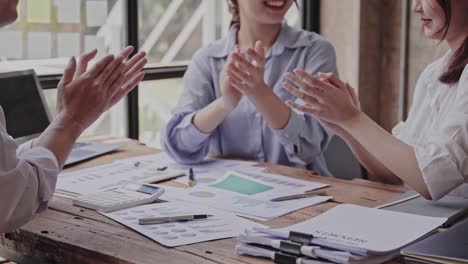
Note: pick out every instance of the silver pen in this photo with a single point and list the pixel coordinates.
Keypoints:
(299, 196)
(170, 219)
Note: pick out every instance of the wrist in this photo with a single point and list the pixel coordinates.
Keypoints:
(350, 123)
(263, 95)
(68, 125)
(225, 106)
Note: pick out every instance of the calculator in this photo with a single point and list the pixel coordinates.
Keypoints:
(130, 195)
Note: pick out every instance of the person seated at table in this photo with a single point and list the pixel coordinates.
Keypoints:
(429, 150)
(233, 105)
(28, 173)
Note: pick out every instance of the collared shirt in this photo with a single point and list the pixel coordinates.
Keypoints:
(437, 129)
(27, 180)
(244, 133)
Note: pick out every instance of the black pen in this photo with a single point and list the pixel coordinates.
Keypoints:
(170, 219)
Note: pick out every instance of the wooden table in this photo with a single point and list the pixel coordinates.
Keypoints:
(69, 234)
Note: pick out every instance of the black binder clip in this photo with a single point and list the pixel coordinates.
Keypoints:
(282, 258)
(291, 247)
(301, 238)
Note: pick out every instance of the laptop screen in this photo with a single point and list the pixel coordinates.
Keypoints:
(22, 103)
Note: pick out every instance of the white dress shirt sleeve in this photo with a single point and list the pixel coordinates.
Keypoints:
(443, 158)
(27, 180)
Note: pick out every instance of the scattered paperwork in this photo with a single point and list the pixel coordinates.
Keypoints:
(221, 225)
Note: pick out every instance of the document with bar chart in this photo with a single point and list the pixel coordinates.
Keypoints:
(241, 195)
(221, 225)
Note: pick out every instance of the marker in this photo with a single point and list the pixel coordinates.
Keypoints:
(191, 182)
(171, 219)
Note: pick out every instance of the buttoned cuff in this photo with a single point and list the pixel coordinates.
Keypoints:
(192, 136)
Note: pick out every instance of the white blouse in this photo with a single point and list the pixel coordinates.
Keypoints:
(27, 180)
(437, 129)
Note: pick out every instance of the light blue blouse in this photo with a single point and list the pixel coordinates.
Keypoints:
(244, 134)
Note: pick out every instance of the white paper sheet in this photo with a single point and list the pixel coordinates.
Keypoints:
(206, 172)
(68, 11)
(240, 197)
(96, 12)
(222, 225)
(105, 177)
(11, 44)
(68, 44)
(361, 229)
(39, 45)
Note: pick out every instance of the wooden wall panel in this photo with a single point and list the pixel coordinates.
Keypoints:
(339, 23)
(390, 63)
(359, 31)
(370, 54)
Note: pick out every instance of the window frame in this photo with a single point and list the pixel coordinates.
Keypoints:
(310, 12)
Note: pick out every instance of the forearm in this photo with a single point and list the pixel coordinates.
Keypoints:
(209, 118)
(392, 153)
(60, 137)
(376, 170)
(274, 111)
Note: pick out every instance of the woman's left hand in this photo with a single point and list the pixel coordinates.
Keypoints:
(247, 76)
(329, 99)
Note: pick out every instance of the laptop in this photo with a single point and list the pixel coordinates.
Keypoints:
(27, 114)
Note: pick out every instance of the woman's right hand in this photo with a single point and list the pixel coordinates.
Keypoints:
(230, 95)
(332, 103)
(339, 131)
(330, 79)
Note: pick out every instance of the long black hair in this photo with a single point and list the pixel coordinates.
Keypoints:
(460, 57)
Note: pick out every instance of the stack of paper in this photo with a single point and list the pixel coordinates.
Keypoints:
(344, 234)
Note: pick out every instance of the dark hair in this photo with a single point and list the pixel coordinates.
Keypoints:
(460, 57)
(234, 10)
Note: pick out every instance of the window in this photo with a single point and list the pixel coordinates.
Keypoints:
(171, 31)
(48, 32)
